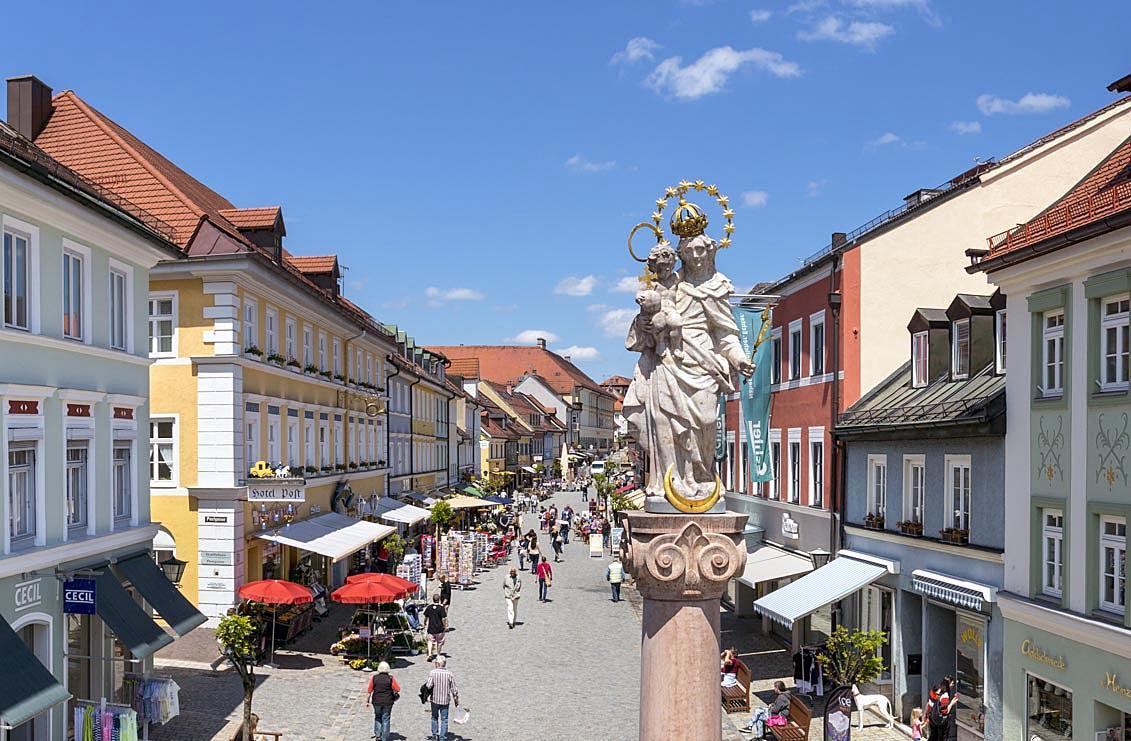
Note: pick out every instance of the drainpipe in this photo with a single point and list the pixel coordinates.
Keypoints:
(836, 463)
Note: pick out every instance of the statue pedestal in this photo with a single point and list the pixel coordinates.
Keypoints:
(681, 565)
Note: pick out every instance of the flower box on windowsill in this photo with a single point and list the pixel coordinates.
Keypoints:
(254, 351)
(874, 522)
(339, 378)
(954, 535)
(912, 528)
(276, 358)
(294, 365)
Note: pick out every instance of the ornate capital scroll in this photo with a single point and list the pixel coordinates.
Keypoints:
(683, 557)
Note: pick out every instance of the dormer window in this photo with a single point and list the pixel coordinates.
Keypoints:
(919, 359)
(960, 348)
(1113, 342)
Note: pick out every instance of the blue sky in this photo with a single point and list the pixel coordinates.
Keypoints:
(478, 165)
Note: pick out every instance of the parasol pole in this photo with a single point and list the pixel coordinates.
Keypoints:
(274, 611)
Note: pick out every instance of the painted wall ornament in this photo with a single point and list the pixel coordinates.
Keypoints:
(1050, 446)
(689, 352)
(1111, 446)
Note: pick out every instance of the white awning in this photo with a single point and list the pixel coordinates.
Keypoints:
(529, 469)
(968, 594)
(391, 510)
(769, 563)
(834, 581)
(332, 535)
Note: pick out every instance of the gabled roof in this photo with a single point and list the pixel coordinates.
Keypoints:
(259, 217)
(1104, 193)
(509, 363)
(314, 263)
(616, 381)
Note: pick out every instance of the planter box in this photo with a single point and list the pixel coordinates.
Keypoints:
(956, 538)
(912, 530)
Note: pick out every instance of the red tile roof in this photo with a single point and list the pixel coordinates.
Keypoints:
(495, 430)
(509, 363)
(616, 381)
(1104, 192)
(466, 367)
(259, 217)
(314, 263)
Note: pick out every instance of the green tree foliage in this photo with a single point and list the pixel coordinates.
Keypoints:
(853, 656)
(237, 634)
(395, 545)
(442, 515)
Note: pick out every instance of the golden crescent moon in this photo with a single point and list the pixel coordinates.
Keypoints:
(684, 504)
(643, 225)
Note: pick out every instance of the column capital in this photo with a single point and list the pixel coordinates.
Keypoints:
(679, 557)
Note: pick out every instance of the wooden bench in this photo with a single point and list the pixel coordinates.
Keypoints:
(799, 718)
(736, 698)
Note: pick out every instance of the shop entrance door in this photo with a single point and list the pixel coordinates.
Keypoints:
(37, 637)
(876, 614)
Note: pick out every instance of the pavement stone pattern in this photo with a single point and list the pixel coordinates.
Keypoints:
(568, 670)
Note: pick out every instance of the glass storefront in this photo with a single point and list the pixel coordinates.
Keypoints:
(1049, 710)
(876, 614)
(970, 665)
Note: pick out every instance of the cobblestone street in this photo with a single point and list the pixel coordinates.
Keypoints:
(569, 670)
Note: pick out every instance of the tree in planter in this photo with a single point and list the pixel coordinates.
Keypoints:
(852, 656)
(442, 516)
(236, 634)
(395, 545)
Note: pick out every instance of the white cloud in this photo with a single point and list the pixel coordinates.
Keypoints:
(615, 322)
(571, 285)
(966, 127)
(597, 307)
(579, 352)
(637, 48)
(505, 308)
(708, 74)
(814, 187)
(805, 6)
(760, 16)
(627, 284)
(452, 294)
(864, 34)
(577, 163)
(922, 6)
(531, 336)
(889, 138)
(1027, 103)
(396, 303)
(755, 198)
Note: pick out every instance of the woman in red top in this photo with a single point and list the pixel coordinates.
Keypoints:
(545, 579)
(383, 691)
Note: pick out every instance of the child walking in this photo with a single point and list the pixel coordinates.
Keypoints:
(917, 724)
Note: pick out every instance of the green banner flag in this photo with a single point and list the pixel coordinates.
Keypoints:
(754, 394)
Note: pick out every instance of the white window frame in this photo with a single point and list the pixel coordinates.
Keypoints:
(172, 297)
(250, 323)
(130, 475)
(775, 356)
(1052, 534)
(307, 346)
(292, 441)
(1118, 544)
(959, 509)
(154, 451)
(795, 360)
(1054, 336)
(126, 274)
(774, 484)
(270, 332)
(253, 448)
(74, 251)
(920, 359)
(84, 481)
(339, 448)
(35, 480)
(337, 360)
(878, 486)
(30, 234)
(914, 488)
(817, 355)
(324, 443)
(290, 339)
(1114, 323)
(817, 472)
(959, 360)
(999, 341)
(322, 351)
(794, 438)
(274, 440)
(308, 427)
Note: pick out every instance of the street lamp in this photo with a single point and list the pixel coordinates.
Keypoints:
(174, 568)
(820, 557)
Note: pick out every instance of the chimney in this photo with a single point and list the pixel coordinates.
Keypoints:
(839, 238)
(542, 343)
(29, 105)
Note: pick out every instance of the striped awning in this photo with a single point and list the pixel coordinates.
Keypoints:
(832, 582)
(968, 594)
(769, 563)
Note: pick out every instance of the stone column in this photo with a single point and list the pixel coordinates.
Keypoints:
(681, 565)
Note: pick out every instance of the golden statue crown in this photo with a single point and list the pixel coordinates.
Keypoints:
(688, 220)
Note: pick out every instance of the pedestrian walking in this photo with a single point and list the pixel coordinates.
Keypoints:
(520, 546)
(606, 532)
(512, 589)
(383, 691)
(444, 693)
(445, 592)
(436, 623)
(614, 575)
(545, 579)
(532, 551)
(556, 544)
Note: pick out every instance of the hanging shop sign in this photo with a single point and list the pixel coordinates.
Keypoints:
(754, 393)
(270, 490)
(1036, 653)
(28, 594)
(79, 596)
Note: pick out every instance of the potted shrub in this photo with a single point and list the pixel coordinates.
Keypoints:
(874, 522)
(955, 535)
(253, 350)
(910, 527)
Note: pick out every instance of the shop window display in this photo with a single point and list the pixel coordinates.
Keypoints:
(1049, 711)
(970, 661)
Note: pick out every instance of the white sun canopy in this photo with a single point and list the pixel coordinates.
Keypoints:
(391, 510)
(332, 535)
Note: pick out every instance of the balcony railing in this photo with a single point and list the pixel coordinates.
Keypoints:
(1063, 218)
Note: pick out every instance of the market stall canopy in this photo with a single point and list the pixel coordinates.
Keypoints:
(332, 535)
(471, 491)
(26, 686)
(847, 573)
(276, 592)
(769, 563)
(497, 499)
(118, 609)
(464, 502)
(394, 511)
(366, 592)
(148, 578)
(623, 489)
(530, 469)
(416, 496)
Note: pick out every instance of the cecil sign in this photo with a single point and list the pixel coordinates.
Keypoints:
(78, 596)
(274, 490)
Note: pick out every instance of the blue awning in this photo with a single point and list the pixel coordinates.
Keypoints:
(27, 688)
(160, 593)
(834, 581)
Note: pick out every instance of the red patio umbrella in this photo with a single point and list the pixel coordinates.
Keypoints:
(275, 592)
(368, 592)
(388, 580)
